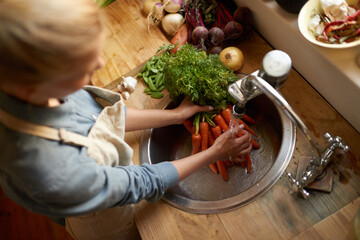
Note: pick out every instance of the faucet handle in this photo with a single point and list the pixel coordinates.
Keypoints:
(336, 142)
(275, 68)
(333, 144)
(296, 186)
(315, 168)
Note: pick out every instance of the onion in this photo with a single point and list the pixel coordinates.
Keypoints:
(157, 12)
(171, 23)
(172, 6)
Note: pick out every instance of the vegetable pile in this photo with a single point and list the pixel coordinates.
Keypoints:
(209, 25)
(191, 67)
(204, 79)
(205, 130)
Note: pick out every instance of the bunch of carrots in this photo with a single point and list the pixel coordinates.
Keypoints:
(205, 129)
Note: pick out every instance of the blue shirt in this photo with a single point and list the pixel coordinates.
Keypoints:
(59, 180)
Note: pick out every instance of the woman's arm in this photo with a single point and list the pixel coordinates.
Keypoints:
(140, 119)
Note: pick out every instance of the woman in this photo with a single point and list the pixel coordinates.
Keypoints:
(63, 154)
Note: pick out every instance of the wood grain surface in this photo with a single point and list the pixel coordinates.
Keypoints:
(276, 214)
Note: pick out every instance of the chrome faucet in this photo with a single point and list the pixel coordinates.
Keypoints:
(275, 69)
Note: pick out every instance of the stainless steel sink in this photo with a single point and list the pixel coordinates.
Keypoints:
(205, 192)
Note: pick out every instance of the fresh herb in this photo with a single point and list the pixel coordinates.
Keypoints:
(201, 77)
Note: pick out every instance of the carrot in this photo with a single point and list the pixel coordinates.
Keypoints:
(222, 170)
(219, 120)
(255, 144)
(242, 164)
(248, 119)
(196, 143)
(248, 162)
(211, 139)
(189, 125)
(204, 131)
(226, 113)
(228, 163)
(212, 166)
(247, 128)
(216, 131)
(206, 142)
(180, 37)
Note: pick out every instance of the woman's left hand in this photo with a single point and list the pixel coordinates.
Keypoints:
(187, 109)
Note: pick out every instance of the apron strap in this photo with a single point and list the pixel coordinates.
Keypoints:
(60, 135)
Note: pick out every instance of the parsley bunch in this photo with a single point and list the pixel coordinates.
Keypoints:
(201, 77)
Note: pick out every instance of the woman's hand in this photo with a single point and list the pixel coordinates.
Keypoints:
(225, 146)
(228, 145)
(187, 109)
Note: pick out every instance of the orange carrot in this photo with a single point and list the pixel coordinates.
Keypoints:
(205, 141)
(226, 113)
(248, 119)
(189, 125)
(255, 144)
(216, 131)
(196, 143)
(204, 131)
(219, 120)
(222, 170)
(248, 162)
(247, 128)
(228, 163)
(211, 139)
(242, 164)
(180, 37)
(212, 166)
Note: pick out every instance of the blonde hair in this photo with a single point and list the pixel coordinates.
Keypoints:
(45, 39)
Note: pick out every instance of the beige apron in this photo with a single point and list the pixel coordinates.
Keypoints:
(105, 143)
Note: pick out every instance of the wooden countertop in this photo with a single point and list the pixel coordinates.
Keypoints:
(276, 214)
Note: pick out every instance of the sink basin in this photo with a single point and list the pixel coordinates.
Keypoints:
(205, 192)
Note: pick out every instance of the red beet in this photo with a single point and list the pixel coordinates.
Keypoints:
(199, 35)
(233, 29)
(243, 15)
(216, 35)
(215, 50)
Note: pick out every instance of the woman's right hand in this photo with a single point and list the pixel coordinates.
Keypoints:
(227, 145)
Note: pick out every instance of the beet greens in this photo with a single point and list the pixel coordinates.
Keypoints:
(210, 23)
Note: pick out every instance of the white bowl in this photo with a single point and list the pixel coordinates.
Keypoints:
(304, 21)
